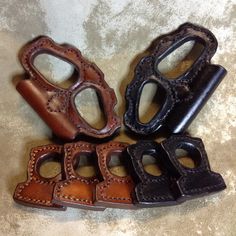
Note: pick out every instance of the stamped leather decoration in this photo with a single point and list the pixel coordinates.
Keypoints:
(114, 191)
(150, 190)
(186, 94)
(75, 190)
(196, 181)
(56, 105)
(37, 191)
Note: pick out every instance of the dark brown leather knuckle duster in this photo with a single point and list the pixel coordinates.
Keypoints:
(37, 191)
(176, 183)
(114, 191)
(186, 94)
(76, 191)
(192, 181)
(56, 105)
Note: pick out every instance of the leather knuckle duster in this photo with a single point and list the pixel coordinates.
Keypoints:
(77, 190)
(113, 191)
(37, 191)
(176, 183)
(56, 105)
(184, 95)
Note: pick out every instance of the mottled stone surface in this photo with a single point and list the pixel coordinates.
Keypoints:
(113, 34)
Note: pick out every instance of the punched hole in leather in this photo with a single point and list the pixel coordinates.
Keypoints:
(57, 105)
(37, 190)
(154, 183)
(183, 91)
(117, 185)
(194, 177)
(82, 176)
(56, 71)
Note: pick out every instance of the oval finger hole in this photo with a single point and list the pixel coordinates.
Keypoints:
(116, 165)
(85, 165)
(151, 165)
(89, 106)
(188, 158)
(56, 71)
(180, 60)
(153, 97)
(50, 166)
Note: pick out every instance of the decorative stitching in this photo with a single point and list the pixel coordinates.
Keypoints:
(109, 179)
(31, 178)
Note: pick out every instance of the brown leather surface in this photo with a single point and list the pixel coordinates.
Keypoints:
(114, 191)
(76, 191)
(56, 105)
(37, 191)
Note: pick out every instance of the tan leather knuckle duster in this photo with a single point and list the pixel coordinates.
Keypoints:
(114, 191)
(55, 105)
(77, 190)
(37, 191)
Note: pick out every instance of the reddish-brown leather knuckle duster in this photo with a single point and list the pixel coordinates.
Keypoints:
(76, 191)
(114, 191)
(56, 105)
(37, 191)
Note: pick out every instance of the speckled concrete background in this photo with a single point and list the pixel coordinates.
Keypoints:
(112, 34)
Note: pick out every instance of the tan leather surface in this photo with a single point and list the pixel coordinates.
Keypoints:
(76, 190)
(37, 191)
(114, 191)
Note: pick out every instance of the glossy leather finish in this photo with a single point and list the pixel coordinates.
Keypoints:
(76, 191)
(177, 183)
(37, 191)
(150, 190)
(56, 105)
(114, 191)
(186, 94)
(194, 182)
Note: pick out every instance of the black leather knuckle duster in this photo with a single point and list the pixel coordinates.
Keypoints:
(185, 95)
(176, 183)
